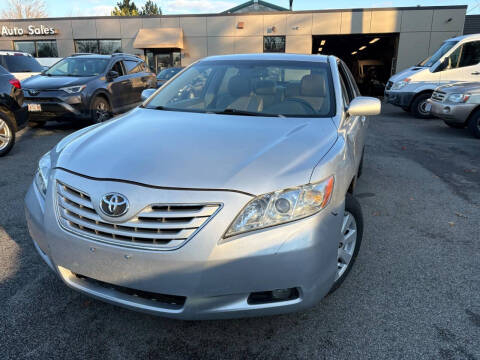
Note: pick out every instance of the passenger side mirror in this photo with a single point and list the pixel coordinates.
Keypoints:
(112, 74)
(147, 93)
(363, 106)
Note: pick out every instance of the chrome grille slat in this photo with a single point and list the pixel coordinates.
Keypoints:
(156, 227)
(438, 96)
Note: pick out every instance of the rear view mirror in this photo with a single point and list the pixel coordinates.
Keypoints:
(147, 93)
(363, 106)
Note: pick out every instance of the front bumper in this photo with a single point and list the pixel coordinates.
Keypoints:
(214, 276)
(58, 105)
(398, 98)
(452, 112)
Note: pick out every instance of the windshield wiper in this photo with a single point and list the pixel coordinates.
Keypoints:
(230, 111)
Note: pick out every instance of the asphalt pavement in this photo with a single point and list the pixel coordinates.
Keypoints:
(414, 292)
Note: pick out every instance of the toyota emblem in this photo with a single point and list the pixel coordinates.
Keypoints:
(114, 204)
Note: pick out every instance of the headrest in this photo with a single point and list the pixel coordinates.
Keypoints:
(313, 85)
(265, 87)
(239, 86)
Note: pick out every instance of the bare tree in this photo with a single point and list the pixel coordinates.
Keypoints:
(25, 9)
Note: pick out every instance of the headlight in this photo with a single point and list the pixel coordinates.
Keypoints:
(458, 98)
(74, 89)
(400, 84)
(43, 171)
(282, 206)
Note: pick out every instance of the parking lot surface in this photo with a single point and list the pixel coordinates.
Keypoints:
(413, 293)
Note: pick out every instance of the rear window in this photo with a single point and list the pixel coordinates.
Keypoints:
(20, 63)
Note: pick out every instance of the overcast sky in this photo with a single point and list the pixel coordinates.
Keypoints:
(58, 8)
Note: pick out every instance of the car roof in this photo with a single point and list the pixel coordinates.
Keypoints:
(102, 56)
(14, 53)
(270, 57)
(466, 37)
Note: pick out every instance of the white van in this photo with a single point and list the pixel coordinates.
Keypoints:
(458, 59)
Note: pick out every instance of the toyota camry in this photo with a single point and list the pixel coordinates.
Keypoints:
(228, 193)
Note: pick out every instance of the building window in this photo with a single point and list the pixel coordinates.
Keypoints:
(273, 44)
(38, 48)
(105, 47)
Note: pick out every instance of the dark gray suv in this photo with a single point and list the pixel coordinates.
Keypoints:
(87, 86)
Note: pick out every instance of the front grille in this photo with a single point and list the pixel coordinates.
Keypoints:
(156, 227)
(438, 96)
(172, 300)
(389, 85)
(42, 99)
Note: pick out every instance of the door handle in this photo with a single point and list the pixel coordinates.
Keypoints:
(476, 73)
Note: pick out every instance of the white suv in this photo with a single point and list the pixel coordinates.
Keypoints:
(22, 65)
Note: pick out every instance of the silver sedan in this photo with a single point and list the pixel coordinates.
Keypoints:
(228, 193)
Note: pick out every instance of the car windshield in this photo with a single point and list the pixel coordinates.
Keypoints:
(167, 73)
(251, 87)
(428, 62)
(20, 63)
(77, 66)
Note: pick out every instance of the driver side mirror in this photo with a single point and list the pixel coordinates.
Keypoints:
(112, 74)
(147, 93)
(364, 106)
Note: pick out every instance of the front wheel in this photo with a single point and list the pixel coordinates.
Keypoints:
(100, 110)
(474, 124)
(7, 134)
(350, 239)
(419, 107)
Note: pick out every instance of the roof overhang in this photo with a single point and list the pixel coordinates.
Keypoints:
(159, 38)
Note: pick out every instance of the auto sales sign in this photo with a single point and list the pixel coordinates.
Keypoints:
(31, 30)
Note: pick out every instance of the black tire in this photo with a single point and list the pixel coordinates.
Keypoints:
(418, 106)
(100, 110)
(7, 134)
(455, 125)
(352, 206)
(36, 124)
(474, 124)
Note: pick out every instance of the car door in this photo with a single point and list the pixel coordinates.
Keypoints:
(120, 87)
(463, 64)
(354, 125)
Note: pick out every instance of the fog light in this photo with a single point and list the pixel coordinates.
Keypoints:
(281, 294)
(265, 297)
(446, 110)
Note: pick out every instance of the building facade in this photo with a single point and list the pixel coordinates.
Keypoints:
(407, 34)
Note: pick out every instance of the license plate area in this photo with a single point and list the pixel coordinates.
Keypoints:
(34, 107)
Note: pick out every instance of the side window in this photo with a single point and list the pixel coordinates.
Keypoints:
(346, 100)
(118, 68)
(353, 83)
(467, 54)
(133, 66)
(346, 89)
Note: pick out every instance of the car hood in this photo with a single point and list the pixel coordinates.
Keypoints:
(407, 73)
(461, 87)
(200, 151)
(42, 82)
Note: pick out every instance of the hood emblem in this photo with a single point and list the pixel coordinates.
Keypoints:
(33, 92)
(114, 204)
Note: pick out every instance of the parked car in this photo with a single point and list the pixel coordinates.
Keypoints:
(20, 64)
(237, 202)
(13, 115)
(166, 74)
(458, 59)
(87, 86)
(458, 105)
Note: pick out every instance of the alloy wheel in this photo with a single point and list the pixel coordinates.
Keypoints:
(101, 112)
(346, 247)
(5, 135)
(422, 108)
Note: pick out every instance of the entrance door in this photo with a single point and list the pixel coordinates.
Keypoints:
(159, 59)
